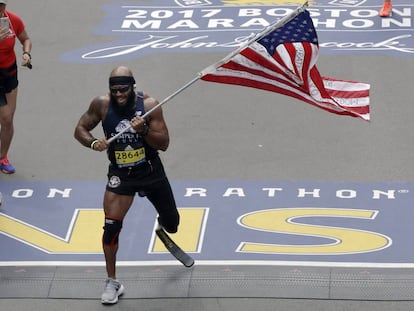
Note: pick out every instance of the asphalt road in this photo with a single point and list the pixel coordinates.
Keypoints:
(217, 132)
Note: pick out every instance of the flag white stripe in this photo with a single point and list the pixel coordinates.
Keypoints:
(352, 102)
(346, 85)
(284, 55)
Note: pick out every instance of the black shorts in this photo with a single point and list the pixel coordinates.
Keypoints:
(8, 82)
(149, 180)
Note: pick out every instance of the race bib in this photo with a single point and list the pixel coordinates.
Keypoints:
(129, 157)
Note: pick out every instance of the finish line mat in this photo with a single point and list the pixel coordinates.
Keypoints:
(260, 222)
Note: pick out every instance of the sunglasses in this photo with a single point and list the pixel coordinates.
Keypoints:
(121, 89)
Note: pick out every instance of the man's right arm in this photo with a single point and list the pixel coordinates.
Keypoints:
(88, 121)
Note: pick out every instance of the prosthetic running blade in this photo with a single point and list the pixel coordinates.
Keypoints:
(174, 249)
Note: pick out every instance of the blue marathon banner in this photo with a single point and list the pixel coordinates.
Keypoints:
(264, 222)
(140, 28)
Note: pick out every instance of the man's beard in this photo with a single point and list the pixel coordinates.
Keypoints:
(126, 109)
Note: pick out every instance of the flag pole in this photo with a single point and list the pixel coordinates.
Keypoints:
(214, 66)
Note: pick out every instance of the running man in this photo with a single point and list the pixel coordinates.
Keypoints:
(135, 166)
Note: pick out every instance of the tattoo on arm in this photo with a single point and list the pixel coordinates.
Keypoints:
(88, 121)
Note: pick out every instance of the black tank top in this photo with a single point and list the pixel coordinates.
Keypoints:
(129, 150)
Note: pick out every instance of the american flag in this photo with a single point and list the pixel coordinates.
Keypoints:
(283, 61)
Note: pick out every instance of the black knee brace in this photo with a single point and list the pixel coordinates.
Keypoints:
(112, 228)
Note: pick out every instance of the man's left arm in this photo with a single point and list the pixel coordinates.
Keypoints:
(156, 134)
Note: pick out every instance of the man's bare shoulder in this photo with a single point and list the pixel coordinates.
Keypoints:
(149, 101)
(101, 100)
(99, 105)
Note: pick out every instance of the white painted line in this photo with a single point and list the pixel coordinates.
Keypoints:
(211, 263)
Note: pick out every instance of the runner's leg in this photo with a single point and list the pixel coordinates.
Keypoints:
(115, 207)
(162, 197)
(6, 122)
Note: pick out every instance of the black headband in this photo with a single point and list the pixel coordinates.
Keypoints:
(121, 80)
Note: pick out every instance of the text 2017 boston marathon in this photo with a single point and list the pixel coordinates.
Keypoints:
(249, 18)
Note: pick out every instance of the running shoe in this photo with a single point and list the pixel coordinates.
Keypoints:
(386, 10)
(5, 166)
(113, 289)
